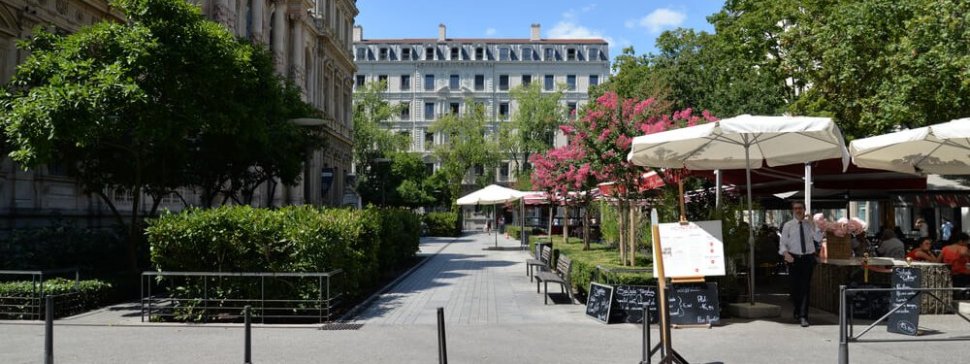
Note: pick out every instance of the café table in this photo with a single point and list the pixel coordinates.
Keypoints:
(830, 273)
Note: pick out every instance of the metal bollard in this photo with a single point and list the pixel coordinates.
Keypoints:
(247, 352)
(843, 328)
(49, 331)
(442, 350)
(646, 334)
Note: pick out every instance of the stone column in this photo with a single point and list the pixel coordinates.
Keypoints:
(296, 53)
(257, 7)
(279, 29)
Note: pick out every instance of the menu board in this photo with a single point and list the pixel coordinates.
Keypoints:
(599, 301)
(905, 320)
(693, 249)
(629, 301)
(694, 304)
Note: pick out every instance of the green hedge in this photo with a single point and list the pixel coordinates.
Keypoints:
(366, 244)
(442, 223)
(585, 262)
(95, 252)
(16, 297)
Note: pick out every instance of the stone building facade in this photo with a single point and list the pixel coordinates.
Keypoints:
(312, 45)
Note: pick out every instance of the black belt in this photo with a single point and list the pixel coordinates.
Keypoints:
(802, 255)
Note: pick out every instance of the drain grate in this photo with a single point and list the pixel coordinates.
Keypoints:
(341, 326)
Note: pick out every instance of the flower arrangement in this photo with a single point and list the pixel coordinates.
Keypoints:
(842, 227)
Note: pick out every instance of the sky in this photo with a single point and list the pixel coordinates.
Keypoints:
(622, 23)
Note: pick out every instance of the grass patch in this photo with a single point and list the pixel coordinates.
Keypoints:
(585, 261)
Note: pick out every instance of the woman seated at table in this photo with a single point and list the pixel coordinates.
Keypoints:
(957, 256)
(923, 252)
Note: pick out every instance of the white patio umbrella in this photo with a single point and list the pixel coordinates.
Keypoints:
(744, 141)
(935, 149)
(491, 195)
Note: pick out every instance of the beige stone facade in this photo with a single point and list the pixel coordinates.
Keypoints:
(312, 44)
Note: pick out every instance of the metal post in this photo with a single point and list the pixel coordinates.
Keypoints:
(247, 351)
(646, 334)
(843, 340)
(747, 175)
(442, 350)
(49, 331)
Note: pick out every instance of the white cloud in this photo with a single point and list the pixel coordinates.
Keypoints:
(662, 18)
(490, 31)
(588, 8)
(630, 24)
(568, 29)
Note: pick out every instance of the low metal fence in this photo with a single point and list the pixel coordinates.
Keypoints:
(846, 326)
(31, 306)
(222, 296)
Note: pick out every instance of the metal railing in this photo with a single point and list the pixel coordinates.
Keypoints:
(31, 307)
(222, 296)
(846, 326)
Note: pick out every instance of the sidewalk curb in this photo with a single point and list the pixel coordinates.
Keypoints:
(347, 317)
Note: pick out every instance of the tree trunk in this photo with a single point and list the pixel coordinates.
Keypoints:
(133, 229)
(621, 230)
(565, 223)
(633, 235)
(586, 217)
(552, 212)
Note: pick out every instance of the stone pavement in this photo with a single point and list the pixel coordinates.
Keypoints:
(493, 315)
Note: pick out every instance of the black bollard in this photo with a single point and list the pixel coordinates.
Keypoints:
(247, 352)
(49, 331)
(442, 350)
(646, 334)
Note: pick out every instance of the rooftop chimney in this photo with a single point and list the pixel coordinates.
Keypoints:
(441, 33)
(536, 33)
(358, 33)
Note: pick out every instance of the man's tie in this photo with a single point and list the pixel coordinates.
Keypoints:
(801, 236)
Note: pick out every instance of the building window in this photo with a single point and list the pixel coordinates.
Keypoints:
(503, 110)
(360, 81)
(454, 81)
(503, 82)
(428, 140)
(550, 54)
(429, 53)
(571, 54)
(454, 54)
(571, 82)
(594, 80)
(479, 82)
(504, 172)
(526, 54)
(429, 82)
(383, 54)
(406, 54)
(383, 81)
(594, 54)
(503, 54)
(454, 106)
(361, 54)
(429, 111)
(549, 83)
(526, 80)
(405, 111)
(405, 82)
(479, 53)
(429, 167)
(571, 109)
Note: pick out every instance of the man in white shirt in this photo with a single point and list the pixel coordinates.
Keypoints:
(798, 248)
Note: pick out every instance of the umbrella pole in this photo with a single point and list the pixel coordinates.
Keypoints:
(747, 175)
(495, 222)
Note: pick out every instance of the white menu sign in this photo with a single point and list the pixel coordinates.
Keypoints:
(691, 250)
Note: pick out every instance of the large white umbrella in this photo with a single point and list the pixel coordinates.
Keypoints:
(744, 141)
(491, 195)
(937, 149)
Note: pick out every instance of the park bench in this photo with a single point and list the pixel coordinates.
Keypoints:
(541, 261)
(560, 275)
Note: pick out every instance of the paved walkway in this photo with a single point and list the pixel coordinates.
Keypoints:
(493, 316)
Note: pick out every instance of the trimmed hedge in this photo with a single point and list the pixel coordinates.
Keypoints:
(95, 252)
(585, 262)
(367, 244)
(15, 297)
(442, 223)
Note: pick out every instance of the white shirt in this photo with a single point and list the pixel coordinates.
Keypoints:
(790, 242)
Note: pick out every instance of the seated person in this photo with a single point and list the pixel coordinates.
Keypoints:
(923, 252)
(891, 246)
(957, 255)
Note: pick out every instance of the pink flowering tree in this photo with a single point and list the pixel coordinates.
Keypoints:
(603, 135)
(560, 171)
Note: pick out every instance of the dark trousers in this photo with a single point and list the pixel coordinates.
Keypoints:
(800, 278)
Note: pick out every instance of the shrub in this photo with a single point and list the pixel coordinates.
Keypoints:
(365, 244)
(442, 223)
(95, 252)
(17, 297)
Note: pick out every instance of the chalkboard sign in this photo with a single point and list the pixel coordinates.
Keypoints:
(694, 304)
(905, 320)
(628, 303)
(599, 302)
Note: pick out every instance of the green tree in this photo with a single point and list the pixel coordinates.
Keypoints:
(375, 141)
(533, 125)
(467, 144)
(143, 105)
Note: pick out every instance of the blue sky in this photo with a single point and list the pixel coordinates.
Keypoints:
(620, 22)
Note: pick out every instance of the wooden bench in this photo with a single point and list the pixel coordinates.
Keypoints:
(541, 263)
(560, 275)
